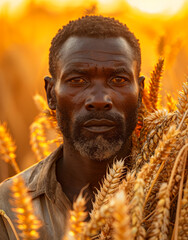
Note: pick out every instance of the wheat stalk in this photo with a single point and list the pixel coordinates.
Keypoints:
(183, 218)
(2, 213)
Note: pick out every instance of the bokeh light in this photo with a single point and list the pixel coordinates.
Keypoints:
(157, 6)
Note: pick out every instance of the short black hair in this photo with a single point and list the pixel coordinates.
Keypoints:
(96, 27)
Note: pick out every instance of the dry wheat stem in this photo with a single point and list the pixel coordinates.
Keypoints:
(183, 119)
(2, 213)
(175, 234)
(183, 220)
(176, 164)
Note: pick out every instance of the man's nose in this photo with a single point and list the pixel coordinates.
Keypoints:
(99, 101)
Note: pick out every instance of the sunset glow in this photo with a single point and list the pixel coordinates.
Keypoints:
(148, 6)
(157, 6)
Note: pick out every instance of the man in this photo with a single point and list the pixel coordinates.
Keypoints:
(96, 90)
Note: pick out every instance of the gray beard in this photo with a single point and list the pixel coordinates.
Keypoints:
(98, 149)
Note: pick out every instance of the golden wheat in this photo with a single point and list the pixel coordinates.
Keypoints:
(21, 202)
(76, 220)
(154, 84)
(7, 148)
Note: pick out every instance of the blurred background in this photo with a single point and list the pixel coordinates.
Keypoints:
(28, 26)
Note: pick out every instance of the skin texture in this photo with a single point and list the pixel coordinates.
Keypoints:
(96, 95)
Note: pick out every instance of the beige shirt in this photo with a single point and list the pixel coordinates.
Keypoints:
(50, 203)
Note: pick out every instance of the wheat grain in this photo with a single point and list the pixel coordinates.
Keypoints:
(122, 221)
(7, 147)
(137, 206)
(38, 139)
(27, 222)
(76, 221)
(171, 103)
(110, 185)
(160, 220)
(154, 84)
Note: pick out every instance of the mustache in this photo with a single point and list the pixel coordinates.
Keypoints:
(115, 117)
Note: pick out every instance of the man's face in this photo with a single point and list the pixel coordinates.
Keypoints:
(97, 95)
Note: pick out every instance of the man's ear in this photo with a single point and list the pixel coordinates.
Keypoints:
(50, 92)
(141, 84)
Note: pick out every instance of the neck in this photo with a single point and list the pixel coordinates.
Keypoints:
(74, 171)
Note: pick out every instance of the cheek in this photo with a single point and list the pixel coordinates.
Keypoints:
(69, 101)
(127, 100)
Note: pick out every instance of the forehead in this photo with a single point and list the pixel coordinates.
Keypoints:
(86, 51)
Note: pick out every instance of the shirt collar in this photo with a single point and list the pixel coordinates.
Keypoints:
(43, 177)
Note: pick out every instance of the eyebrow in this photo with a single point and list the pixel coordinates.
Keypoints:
(84, 71)
(121, 70)
(74, 71)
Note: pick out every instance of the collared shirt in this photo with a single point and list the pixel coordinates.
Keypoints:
(50, 203)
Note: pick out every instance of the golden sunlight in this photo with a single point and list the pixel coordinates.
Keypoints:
(11, 4)
(157, 6)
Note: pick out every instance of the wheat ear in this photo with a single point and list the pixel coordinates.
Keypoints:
(137, 208)
(76, 220)
(179, 203)
(158, 160)
(21, 202)
(154, 84)
(7, 147)
(98, 221)
(171, 103)
(122, 220)
(160, 220)
(50, 116)
(146, 100)
(38, 138)
(110, 185)
(182, 105)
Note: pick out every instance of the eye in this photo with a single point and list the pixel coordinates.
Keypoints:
(119, 80)
(77, 81)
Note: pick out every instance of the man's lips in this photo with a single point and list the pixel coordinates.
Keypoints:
(99, 125)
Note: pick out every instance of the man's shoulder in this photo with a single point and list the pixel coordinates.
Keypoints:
(26, 175)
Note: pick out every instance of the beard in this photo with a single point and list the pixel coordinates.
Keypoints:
(97, 147)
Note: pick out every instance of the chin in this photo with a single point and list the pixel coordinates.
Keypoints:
(98, 149)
